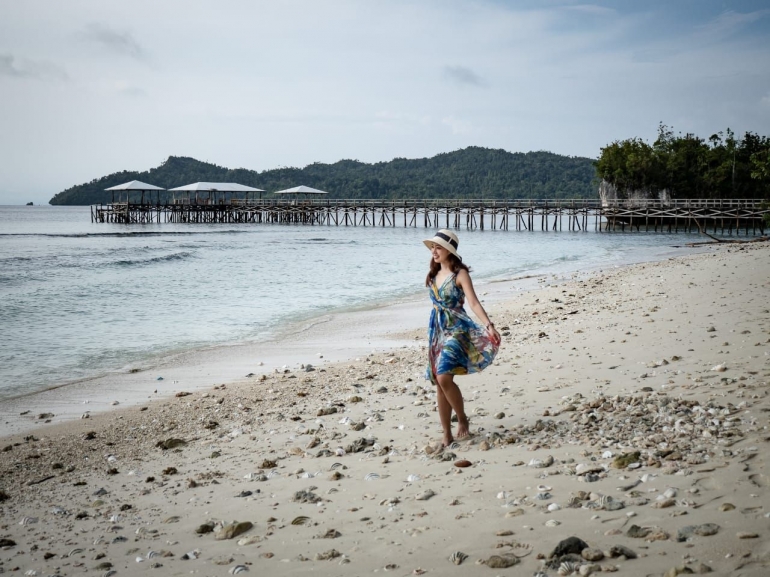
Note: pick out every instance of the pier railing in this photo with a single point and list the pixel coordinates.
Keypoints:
(727, 216)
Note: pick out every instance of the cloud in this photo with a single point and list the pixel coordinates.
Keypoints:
(132, 91)
(399, 117)
(114, 40)
(457, 125)
(765, 101)
(463, 76)
(730, 22)
(23, 68)
(592, 9)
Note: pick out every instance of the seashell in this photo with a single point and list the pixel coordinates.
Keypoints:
(458, 557)
(238, 569)
(568, 568)
(543, 496)
(604, 500)
(463, 463)
(577, 500)
(339, 451)
(139, 559)
(371, 477)
(151, 554)
(194, 554)
(250, 540)
(454, 445)
(543, 488)
(59, 511)
(721, 368)
(301, 520)
(115, 518)
(552, 523)
(98, 541)
(412, 478)
(28, 520)
(541, 463)
(335, 466)
(553, 507)
(273, 474)
(309, 475)
(75, 551)
(502, 495)
(425, 495)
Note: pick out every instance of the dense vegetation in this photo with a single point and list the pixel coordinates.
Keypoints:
(473, 172)
(688, 166)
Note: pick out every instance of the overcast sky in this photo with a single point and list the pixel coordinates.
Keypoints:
(89, 87)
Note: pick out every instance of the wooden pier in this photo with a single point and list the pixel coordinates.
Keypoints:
(714, 216)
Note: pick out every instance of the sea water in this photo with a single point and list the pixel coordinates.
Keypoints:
(79, 300)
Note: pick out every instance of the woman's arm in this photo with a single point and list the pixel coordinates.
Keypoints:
(464, 282)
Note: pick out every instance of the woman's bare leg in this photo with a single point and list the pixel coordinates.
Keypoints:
(445, 416)
(455, 399)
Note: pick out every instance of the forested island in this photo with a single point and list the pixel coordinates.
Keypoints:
(472, 172)
(686, 166)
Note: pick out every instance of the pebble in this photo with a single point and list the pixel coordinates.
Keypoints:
(425, 495)
(703, 530)
(232, 530)
(592, 554)
(501, 561)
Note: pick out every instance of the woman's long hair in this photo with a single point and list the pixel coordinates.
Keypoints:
(454, 263)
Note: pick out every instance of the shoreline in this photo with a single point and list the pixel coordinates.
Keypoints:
(665, 364)
(331, 336)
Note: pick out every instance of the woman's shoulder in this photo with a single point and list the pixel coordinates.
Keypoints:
(462, 274)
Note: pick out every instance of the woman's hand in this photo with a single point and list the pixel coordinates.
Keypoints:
(494, 335)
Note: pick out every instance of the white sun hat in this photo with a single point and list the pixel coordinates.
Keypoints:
(445, 238)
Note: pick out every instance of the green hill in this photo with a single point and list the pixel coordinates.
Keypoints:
(473, 172)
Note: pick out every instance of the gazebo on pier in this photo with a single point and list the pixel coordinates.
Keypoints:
(214, 188)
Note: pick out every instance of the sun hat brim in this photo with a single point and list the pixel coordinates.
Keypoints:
(442, 240)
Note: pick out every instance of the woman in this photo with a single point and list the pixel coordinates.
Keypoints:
(458, 345)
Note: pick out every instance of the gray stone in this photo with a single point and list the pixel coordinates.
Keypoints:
(622, 551)
(592, 554)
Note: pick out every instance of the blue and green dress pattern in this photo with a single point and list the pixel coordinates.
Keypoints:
(457, 344)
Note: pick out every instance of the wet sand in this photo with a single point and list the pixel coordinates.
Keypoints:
(627, 408)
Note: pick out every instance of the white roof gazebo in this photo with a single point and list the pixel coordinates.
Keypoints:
(301, 190)
(135, 185)
(215, 187)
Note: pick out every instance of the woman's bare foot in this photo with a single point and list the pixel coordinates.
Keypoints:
(448, 440)
(463, 431)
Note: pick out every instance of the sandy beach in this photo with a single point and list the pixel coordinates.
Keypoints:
(623, 427)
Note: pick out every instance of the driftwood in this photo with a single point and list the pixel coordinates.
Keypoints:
(722, 240)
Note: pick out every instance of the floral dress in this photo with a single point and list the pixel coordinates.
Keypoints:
(457, 344)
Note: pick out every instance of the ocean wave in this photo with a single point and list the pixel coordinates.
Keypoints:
(125, 234)
(315, 241)
(12, 259)
(165, 258)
